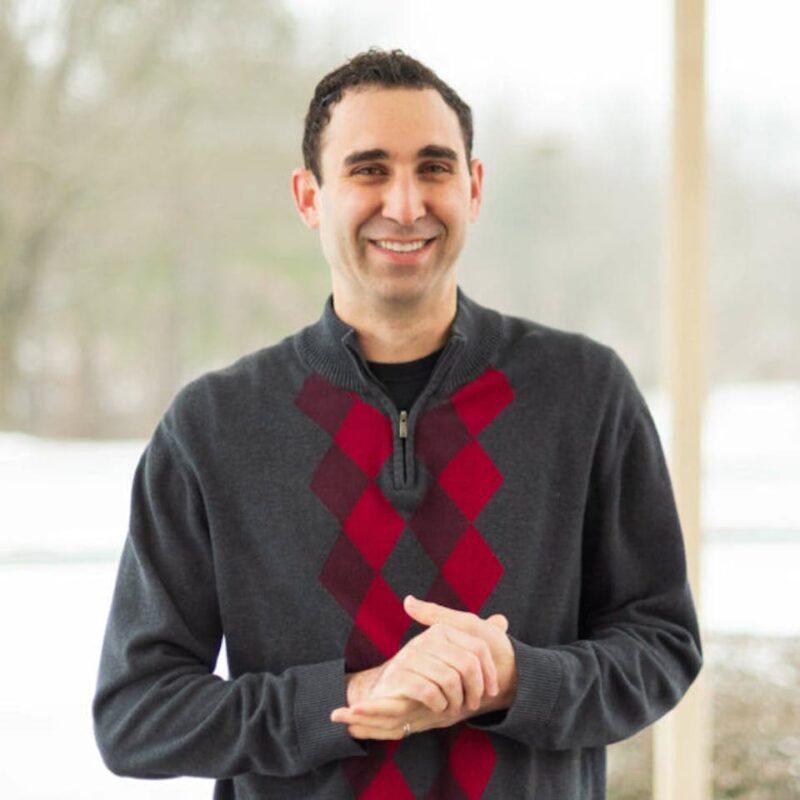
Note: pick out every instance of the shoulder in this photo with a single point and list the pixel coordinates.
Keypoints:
(561, 358)
(237, 393)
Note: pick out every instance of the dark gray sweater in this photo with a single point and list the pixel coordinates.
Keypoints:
(285, 504)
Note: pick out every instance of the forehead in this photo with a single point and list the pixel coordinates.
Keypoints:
(401, 121)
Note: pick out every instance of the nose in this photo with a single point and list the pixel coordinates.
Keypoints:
(403, 200)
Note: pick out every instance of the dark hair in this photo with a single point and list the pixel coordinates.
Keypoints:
(377, 68)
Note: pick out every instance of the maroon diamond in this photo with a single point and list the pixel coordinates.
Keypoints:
(338, 482)
(440, 434)
(438, 524)
(346, 575)
(325, 403)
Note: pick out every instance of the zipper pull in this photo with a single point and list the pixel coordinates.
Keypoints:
(404, 424)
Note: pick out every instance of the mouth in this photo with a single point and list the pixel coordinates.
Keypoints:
(402, 252)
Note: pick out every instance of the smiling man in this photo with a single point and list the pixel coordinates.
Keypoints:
(392, 209)
(440, 542)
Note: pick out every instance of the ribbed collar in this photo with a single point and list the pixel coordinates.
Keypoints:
(330, 346)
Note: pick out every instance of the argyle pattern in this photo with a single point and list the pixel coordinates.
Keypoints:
(464, 479)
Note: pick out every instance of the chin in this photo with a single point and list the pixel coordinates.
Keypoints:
(401, 292)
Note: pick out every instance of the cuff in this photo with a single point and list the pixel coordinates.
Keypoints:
(319, 689)
(539, 676)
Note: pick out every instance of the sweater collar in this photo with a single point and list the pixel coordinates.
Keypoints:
(330, 346)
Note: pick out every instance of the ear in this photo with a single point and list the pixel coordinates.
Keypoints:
(476, 189)
(306, 196)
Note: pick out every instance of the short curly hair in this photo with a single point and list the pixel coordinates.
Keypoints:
(375, 67)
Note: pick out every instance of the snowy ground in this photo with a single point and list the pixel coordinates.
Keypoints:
(63, 514)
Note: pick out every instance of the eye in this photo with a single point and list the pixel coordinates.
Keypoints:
(436, 169)
(368, 171)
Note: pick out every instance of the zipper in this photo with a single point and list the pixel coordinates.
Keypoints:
(442, 365)
(403, 433)
(403, 425)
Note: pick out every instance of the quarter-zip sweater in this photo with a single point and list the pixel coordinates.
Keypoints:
(285, 504)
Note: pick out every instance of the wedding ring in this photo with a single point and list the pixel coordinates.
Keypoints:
(406, 730)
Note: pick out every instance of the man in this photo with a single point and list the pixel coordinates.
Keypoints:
(440, 543)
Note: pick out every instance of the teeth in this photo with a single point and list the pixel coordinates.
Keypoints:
(402, 247)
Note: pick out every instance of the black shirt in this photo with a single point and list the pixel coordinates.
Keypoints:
(404, 381)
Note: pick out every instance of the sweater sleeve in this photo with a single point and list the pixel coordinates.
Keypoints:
(639, 647)
(159, 711)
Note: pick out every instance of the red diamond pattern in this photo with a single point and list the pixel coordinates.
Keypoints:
(470, 570)
(374, 512)
(382, 617)
(465, 480)
(366, 436)
(472, 585)
(479, 402)
(344, 482)
(472, 759)
(471, 479)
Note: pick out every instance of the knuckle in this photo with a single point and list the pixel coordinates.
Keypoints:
(429, 694)
(452, 682)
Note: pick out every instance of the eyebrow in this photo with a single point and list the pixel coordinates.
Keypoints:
(378, 154)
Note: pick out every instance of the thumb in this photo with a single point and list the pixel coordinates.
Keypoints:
(499, 621)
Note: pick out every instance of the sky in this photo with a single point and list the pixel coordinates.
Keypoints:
(562, 65)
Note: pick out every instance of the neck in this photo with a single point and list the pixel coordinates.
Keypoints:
(397, 332)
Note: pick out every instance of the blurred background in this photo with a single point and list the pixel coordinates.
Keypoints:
(147, 235)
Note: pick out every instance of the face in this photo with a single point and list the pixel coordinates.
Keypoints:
(395, 199)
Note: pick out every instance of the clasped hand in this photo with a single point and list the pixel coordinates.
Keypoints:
(460, 666)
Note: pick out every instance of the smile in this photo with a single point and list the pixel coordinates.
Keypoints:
(402, 247)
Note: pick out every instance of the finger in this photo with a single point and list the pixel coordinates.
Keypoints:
(383, 717)
(377, 722)
(413, 677)
(446, 668)
(480, 649)
(499, 621)
(364, 732)
(430, 613)
(398, 707)
(456, 652)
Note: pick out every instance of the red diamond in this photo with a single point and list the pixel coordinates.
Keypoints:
(382, 617)
(471, 479)
(374, 526)
(480, 401)
(472, 760)
(366, 436)
(472, 570)
(389, 784)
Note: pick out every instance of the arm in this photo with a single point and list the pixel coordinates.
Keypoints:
(639, 647)
(158, 709)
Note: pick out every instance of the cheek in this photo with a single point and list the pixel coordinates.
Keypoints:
(453, 207)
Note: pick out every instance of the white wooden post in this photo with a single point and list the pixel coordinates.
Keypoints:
(682, 752)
